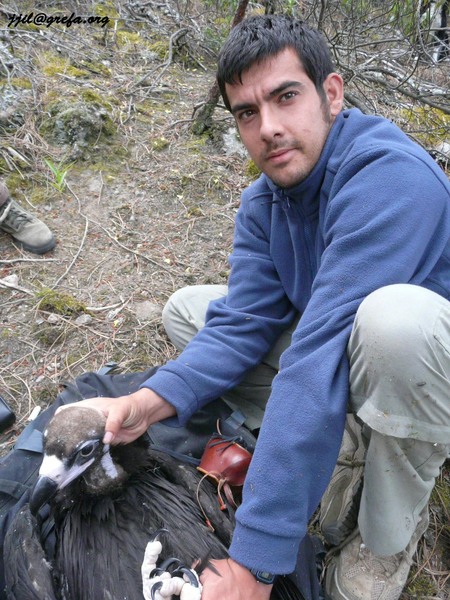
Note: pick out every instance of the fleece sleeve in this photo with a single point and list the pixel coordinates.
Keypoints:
(240, 329)
(387, 221)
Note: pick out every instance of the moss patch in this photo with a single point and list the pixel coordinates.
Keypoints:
(160, 48)
(107, 9)
(53, 65)
(78, 123)
(18, 185)
(91, 97)
(159, 144)
(421, 586)
(197, 144)
(59, 303)
(97, 68)
(126, 38)
(251, 170)
(42, 195)
(17, 82)
(430, 125)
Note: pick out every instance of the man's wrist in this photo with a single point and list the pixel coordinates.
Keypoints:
(158, 407)
(263, 576)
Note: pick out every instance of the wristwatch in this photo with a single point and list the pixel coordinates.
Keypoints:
(263, 576)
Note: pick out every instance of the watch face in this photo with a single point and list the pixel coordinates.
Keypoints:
(263, 576)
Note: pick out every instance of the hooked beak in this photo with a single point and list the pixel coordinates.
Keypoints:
(44, 489)
(53, 476)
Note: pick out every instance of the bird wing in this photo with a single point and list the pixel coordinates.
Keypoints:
(27, 572)
(200, 489)
(188, 478)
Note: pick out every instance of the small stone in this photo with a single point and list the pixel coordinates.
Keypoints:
(145, 311)
(11, 279)
(83, 319)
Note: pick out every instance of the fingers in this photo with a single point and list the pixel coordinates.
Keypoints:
(117, 412)
(128, 417)
(117, 415)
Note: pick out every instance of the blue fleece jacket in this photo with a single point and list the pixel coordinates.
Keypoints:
(374, 211)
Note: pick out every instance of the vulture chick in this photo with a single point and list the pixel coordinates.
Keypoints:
(107, 503)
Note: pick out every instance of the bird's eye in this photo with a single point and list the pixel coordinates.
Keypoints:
(87, 449)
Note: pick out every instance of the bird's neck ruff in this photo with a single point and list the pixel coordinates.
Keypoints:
(108, 464)
(105, 476)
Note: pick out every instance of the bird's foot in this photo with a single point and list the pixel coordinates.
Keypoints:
(170, 579)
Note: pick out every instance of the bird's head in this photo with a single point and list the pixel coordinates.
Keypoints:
(74, 451)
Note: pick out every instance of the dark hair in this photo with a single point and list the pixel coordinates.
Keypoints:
(260, 37)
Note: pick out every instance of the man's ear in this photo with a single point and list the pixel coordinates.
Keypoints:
(334, 90)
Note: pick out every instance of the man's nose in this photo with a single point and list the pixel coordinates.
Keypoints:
(270, 124)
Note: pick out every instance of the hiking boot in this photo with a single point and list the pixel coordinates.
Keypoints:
(340, 503)
(31, 233)
(357, 574)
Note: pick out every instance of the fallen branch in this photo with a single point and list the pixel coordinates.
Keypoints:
(173, 38)
(86, 227)
(16, 260)
(12, 286)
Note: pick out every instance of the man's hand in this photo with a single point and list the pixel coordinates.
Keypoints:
(128, 417)
(234, 582)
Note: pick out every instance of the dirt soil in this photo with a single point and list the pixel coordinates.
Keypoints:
(146, 207)
(145, 210)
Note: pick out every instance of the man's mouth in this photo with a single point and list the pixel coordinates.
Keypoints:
(280, 155)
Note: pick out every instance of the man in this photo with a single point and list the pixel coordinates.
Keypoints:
(340, 268)
(27, 230)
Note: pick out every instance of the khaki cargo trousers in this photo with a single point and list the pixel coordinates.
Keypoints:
(399, 354)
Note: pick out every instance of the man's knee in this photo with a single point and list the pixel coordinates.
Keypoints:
(400, 320)
(399, 363)
(180, 319)
(174, 307)
(185, 311)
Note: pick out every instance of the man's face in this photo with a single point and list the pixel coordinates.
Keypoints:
(282, 120)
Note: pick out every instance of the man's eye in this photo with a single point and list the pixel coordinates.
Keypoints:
(288, 96)
(245, 115)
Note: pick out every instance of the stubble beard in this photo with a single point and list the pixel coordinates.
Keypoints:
(303, 173)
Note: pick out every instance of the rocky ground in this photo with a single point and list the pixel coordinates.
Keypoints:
(95, 125)
(145, 206)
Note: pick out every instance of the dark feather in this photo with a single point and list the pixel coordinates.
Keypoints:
(102, 530)
(27, 569)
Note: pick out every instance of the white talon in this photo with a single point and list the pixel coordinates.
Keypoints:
(177, 586)
(189, 592)
(171, 586)
(151, 555)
